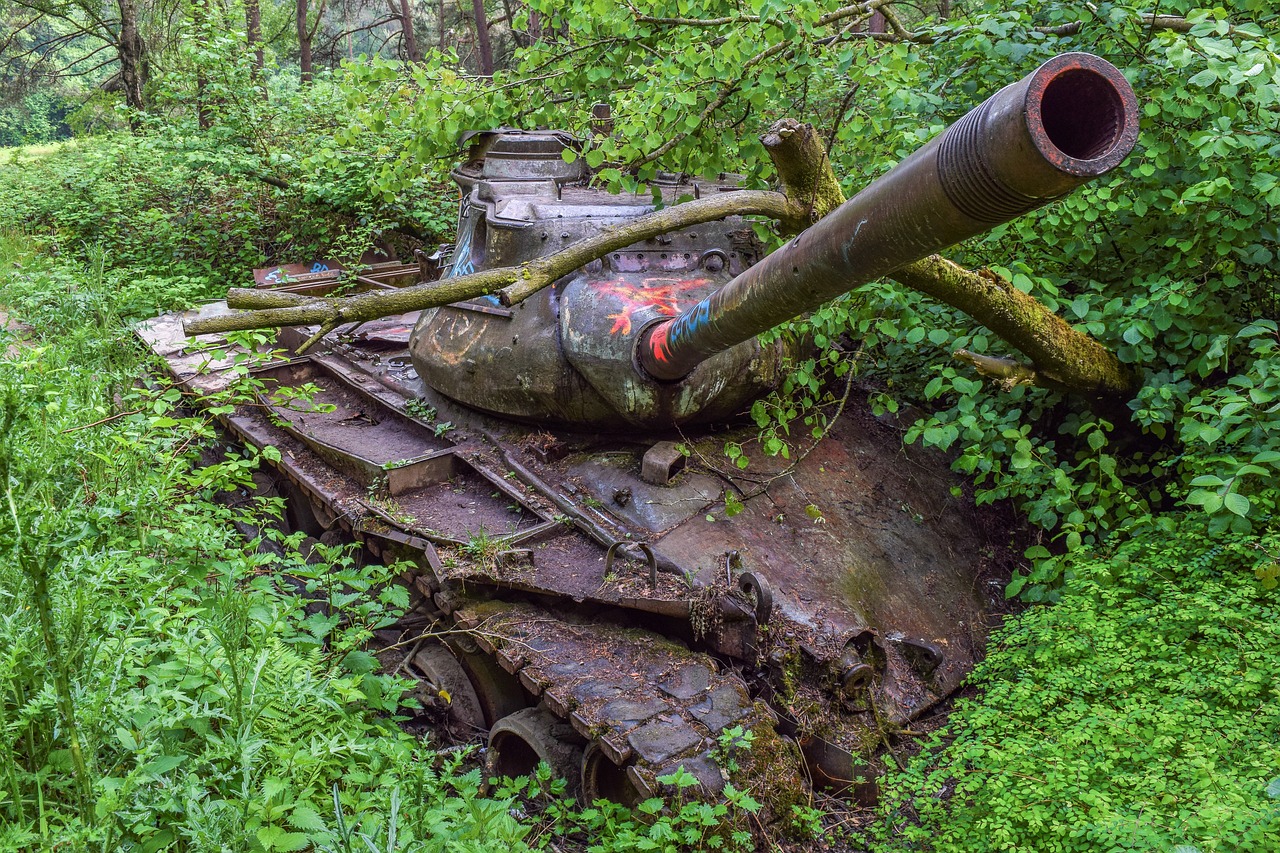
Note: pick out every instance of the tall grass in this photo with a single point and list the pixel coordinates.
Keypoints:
(8, 155)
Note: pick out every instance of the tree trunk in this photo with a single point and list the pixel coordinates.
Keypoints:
(132, 53)
(410, 40)
(253, 35)
(482, 37)
(304, 43)
(200, 18)
(535, 27)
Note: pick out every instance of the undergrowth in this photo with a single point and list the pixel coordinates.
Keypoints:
(1141, 712)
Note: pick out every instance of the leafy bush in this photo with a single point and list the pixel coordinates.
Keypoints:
(37, 117)
(162, 211)
(1169, 262)
(1142, 711)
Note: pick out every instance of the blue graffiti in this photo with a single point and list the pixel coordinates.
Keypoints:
(848, 244)
(319, 267)
(689, 322)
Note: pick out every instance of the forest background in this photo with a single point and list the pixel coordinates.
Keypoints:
(157, 691)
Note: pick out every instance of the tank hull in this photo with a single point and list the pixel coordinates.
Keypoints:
(849, 595)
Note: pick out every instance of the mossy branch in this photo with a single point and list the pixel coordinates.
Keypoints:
(272, 309)
(1062, 358)
(803, 169)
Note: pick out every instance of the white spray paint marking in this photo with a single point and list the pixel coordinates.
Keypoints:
(844, 252)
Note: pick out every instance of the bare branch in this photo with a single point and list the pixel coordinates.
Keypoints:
(829, 18)
(1175, 23)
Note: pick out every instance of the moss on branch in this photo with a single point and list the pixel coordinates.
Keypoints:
(1061, 357)
(272, 309)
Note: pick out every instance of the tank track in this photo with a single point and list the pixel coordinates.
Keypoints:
(643, 703)
(611, 706)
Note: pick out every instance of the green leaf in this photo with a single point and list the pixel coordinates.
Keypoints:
(359, 662)
(1236, 503)
(163, 764)
(1204, 78)
(307, 819)
(288, 842)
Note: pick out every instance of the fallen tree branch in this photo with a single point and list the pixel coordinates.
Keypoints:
(273, 309)
(1062, 358)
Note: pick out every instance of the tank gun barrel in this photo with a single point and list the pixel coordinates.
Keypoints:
(1071, 120)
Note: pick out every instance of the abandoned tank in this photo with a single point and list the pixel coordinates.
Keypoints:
(594, 595)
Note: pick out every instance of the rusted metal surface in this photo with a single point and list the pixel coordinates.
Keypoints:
(320, 278)
(650, 703)
(1073, 119)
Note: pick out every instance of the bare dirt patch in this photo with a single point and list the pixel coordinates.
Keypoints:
(20, 332)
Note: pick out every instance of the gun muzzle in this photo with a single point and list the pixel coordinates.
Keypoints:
(1069, 121)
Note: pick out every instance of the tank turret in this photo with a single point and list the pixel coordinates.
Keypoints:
(664, 333)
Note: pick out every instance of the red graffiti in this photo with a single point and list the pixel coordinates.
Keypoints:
(658, 341)
(662, 295)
